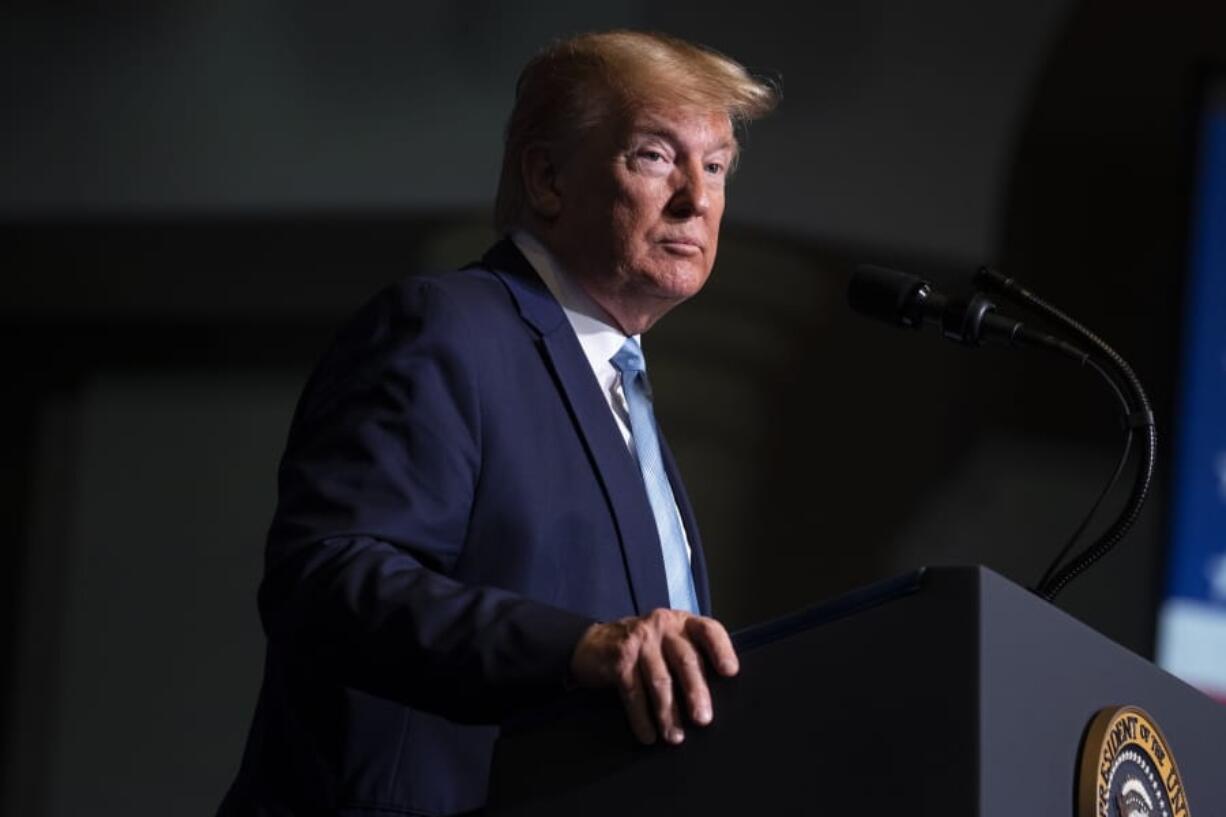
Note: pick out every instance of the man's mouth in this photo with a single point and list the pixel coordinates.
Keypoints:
(681, 246)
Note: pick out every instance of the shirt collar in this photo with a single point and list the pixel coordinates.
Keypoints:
(598, 335)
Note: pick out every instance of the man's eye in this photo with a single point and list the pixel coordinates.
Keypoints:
(715, 168)
(651, 155)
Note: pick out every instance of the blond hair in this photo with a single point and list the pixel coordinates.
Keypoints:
(581, 83)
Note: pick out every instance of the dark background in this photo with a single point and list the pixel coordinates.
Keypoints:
(192, 196)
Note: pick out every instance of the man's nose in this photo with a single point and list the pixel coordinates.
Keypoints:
(691, 197)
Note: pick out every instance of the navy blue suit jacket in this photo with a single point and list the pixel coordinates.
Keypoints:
(456, 506)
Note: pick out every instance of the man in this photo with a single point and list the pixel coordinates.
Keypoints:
(476, 511)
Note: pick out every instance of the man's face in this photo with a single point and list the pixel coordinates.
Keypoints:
(641, 203)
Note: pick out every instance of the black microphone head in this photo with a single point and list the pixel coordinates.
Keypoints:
(888, 295)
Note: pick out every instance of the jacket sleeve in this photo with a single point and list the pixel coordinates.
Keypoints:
(375, 492)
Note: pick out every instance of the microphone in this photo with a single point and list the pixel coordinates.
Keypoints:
(905, 300)
(902, 299)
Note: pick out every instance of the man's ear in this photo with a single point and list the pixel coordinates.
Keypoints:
(538, 164)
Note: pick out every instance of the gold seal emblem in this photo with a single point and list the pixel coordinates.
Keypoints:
(1127, 769)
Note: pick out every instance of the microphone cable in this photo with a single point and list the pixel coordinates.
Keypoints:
(1138, 417)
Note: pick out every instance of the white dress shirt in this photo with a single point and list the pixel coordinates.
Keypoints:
(598, 337)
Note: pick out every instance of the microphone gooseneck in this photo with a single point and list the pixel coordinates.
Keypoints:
(904, 300)
(1138, 417)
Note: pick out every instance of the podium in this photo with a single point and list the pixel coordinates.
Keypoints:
(947, 691)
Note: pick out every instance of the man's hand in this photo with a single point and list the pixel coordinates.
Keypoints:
(656, 664)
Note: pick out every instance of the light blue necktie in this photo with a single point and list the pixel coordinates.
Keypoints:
(629, 361)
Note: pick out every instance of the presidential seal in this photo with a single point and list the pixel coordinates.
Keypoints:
(1127, 769)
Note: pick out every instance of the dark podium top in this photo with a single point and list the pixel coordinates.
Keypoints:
(947, 691)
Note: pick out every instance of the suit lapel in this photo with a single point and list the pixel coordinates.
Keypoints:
(619, 475)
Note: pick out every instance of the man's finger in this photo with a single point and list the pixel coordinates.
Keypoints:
(659, 683)
(634, 701)
(715, 642)
(691, 683)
